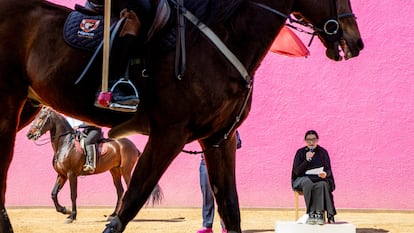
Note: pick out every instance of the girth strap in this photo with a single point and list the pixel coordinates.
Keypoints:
(180, 58)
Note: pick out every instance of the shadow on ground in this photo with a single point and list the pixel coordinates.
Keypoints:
(358, 230)
(259, 230)
(370, 230)
(181, 219)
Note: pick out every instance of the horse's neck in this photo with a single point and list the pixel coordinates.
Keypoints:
(254, 30)
(60, 133)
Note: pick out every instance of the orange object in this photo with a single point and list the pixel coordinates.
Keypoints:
(289, 44)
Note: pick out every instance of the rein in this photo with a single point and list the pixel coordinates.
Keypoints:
(331, 29)
(43, 141)
(39, 128)
(182, 11)
(316, 30)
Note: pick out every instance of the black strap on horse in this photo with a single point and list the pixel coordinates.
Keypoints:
(115, 28)
(180, 58)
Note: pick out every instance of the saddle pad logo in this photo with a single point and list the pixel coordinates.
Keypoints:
(83, 31)
(87, 27)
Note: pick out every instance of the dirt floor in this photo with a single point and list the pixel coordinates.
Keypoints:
(176, 220)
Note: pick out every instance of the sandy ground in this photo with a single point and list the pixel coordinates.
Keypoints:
(180, 220)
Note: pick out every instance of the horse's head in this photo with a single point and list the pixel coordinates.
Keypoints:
(335, 24)
(39, 125)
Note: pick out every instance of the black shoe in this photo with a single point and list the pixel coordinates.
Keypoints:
(331, 219)
(129, 100)
(124, 93)
(312, 218)
(320, 220)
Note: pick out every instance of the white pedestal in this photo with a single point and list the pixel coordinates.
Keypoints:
(293, 227)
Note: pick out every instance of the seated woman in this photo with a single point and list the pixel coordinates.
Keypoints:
(312, 174)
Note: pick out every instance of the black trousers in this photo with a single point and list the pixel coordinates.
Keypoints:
(317, 196)
(93, 134)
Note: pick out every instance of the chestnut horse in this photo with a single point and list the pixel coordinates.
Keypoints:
(207, 104)
(118, 156)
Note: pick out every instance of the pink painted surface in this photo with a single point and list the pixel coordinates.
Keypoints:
(362, 108)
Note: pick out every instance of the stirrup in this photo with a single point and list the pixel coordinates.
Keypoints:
(105, 99)
(125, 107)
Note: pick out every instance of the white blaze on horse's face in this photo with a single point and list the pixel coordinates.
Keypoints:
(36, 130)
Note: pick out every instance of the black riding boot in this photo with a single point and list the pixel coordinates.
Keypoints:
(96, 6)
(90, 161)
(123, 93)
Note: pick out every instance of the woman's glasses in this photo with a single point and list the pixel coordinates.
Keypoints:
(311, 139)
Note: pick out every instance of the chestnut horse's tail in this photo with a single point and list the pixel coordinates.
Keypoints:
(156, 196)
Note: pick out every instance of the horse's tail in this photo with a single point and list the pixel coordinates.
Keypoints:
(156, 196)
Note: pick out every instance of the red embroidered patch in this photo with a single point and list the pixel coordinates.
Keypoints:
(89, 25)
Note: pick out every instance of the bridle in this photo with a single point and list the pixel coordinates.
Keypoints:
(330, 28)
(39, 127)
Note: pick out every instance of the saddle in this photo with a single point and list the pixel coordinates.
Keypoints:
(84, 30)
(101, 148)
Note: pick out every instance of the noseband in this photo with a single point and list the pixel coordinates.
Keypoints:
(39, 128)
(330, 28)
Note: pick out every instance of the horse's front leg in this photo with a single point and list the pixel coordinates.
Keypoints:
(73, 181)
(160, 151)
(60, 181)
(221, 170)
(6, 147)
(116, 177)
(12, 100)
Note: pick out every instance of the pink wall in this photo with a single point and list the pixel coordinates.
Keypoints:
(362, 108)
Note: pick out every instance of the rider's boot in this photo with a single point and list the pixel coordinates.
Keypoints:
(90, 161)
(96, 6)
(125, 93)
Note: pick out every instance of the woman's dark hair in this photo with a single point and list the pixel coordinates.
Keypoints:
(311, 132)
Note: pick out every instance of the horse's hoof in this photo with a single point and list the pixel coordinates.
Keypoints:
(110, 218)
(68, 221)
(115, 226)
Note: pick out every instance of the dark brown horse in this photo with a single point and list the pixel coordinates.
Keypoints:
(210, 101)
(118, 156)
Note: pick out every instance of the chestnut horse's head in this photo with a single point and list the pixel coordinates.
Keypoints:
(39, 125)
(335, 24)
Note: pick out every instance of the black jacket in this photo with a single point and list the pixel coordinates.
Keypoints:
(321, 158)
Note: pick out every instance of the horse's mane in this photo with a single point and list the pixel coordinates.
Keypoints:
(61, 118)
(213, 11)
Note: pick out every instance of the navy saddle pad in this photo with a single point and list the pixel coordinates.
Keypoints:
(83, 31)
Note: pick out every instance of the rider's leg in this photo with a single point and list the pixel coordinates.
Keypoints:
(124, 48)
(90, 162)
(93, 136)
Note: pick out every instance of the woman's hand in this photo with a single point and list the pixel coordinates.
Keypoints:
(322, 175)
(309, 155)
